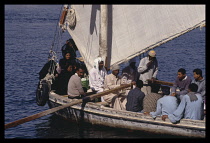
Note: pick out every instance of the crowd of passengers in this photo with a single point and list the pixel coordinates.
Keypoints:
(185, 99)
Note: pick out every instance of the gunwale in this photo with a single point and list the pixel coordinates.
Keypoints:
(96, 113)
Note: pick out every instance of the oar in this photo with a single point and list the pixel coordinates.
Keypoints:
(162, 82)
(49, 111)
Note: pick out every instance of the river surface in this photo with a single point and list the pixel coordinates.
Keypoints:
(29, 33)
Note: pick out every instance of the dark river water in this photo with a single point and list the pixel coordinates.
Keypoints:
(29, 33)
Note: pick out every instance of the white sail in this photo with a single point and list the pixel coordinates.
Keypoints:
(132, 29)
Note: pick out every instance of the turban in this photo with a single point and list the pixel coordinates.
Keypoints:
(115, 67)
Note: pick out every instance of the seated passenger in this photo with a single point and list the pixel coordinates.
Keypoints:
(66, 59)
(97, 75)
(180, 87)
(135, 98)
(70, 46)
(129, 74)
(63, 79)
(150, 100)
(131, 70)
(165, 105)
(189, 108)
(75, 89)
(201, 82)
(112, 81)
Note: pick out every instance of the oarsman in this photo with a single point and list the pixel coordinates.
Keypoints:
(200, 81)
(75, 89)
(97, 76)
(111, 81)
(165, 105)
(148, 69)
(135, 98)
(189, 108)
(180, 86)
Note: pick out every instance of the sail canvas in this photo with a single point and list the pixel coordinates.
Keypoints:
(132, 29)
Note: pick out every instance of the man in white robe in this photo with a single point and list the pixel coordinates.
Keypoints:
(148, 69)
(97, 75)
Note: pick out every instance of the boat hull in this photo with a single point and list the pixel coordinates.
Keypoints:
(98, 114)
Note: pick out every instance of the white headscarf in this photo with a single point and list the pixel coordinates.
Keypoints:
(96, 66)
(96, 62)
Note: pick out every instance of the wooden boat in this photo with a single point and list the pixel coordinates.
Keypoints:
(82, 23)
(100, 114)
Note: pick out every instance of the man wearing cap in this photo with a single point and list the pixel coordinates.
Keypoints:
(148, 69)
(112, 81)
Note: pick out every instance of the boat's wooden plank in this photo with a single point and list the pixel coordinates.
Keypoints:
(131, 115)
(149, 120)
(97, 114)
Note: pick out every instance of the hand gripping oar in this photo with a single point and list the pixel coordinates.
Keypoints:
(49, 111)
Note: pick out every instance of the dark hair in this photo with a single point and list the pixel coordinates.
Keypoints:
(79, 67)
(183, 71)
(193, 87)
(165, 90)
(198, 71)
(155, 87)
(139, 83)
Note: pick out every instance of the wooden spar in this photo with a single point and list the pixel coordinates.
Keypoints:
(103, 33)
(52, 110)
(63, 16)
(161, 82)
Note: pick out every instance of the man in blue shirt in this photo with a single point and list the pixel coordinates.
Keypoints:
(135, 98)
(165, 105)
(189, 108)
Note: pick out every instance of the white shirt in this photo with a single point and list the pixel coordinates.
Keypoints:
(147, 72)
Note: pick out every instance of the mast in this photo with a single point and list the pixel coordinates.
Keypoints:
(103, 33)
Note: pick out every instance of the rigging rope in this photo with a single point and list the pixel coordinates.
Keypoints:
(52, 54)
(56, 28)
